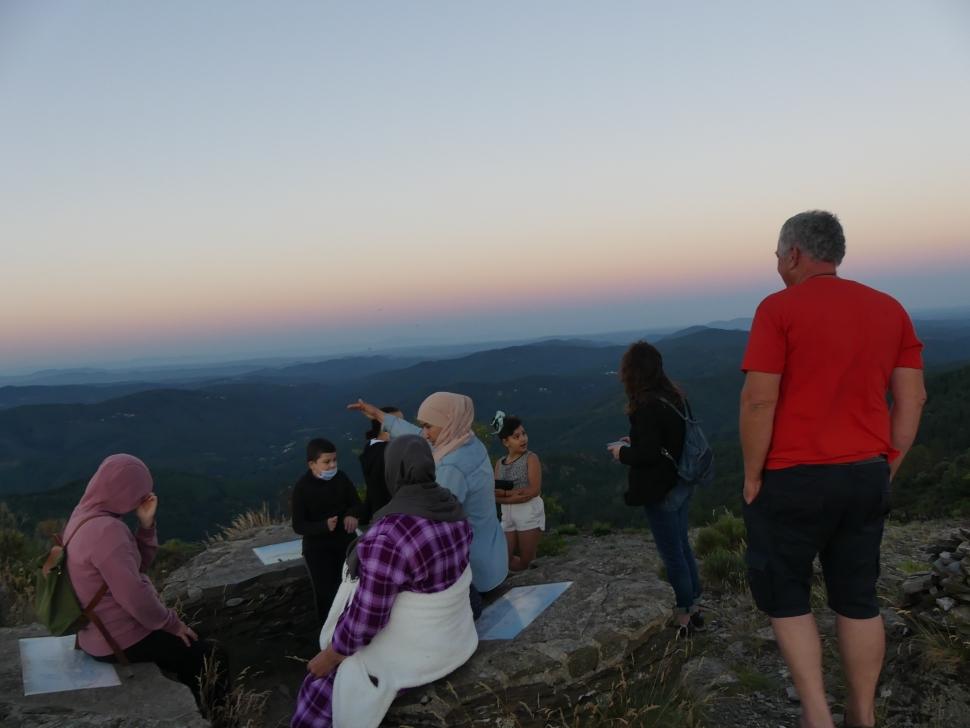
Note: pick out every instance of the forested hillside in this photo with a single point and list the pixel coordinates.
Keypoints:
(223, 448)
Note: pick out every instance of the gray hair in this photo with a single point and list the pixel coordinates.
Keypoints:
(816, 233)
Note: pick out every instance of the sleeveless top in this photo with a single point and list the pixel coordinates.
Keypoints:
(517, 471)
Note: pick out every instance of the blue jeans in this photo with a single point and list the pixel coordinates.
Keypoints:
(668, 522)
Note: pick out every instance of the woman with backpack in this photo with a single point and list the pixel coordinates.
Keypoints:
(657, 411)
(105, 560)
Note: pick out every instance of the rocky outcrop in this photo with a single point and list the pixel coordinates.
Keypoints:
(616, 602)
(942, 592)
(145, 698)
(226, 592)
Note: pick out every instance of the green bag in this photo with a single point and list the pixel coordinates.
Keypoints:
(56, 603)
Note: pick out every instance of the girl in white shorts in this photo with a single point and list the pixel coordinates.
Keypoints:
(523, 513)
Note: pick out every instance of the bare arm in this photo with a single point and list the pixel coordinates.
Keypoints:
(759, 398)
(534, 488)
(909, 396)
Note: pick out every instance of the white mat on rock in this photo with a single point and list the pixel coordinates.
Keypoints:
(52, 665)
(277, 552)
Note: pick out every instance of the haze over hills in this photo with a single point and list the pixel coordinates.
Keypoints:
(222, 445)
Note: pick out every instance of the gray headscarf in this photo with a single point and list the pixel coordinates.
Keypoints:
(409, 470)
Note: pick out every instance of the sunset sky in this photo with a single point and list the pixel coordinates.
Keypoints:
(203, 180)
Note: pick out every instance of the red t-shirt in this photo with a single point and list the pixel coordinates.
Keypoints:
(835, 343)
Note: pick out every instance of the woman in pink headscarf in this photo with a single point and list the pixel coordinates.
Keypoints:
(463, 467)
(103, 552)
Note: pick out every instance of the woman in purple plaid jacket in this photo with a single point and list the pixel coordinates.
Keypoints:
(402, 617)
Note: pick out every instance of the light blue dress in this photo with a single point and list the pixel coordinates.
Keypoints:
(467, 472)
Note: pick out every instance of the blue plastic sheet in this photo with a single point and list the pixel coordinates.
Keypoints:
(517, 609)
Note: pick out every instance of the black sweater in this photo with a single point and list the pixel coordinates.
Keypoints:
(653, 426)
(315, 500)
(372, 463)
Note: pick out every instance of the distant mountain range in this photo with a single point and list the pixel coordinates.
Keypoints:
(243, 432)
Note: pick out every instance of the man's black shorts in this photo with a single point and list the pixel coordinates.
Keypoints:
(835, 511)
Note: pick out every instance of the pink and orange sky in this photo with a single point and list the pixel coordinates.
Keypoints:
(229, 179)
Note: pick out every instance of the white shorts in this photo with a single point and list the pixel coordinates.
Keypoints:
(524, 516)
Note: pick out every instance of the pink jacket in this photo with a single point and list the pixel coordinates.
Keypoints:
(104, 551)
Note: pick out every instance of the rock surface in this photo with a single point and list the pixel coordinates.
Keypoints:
(941, 594)
(615, 604)
(146, 699)
(226, 592)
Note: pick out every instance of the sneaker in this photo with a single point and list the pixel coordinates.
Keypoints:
(697, 621)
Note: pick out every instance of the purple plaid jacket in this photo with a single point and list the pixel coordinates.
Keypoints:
(398, 553)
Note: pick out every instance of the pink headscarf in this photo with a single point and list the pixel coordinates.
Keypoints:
(120, 485)
(454, 414)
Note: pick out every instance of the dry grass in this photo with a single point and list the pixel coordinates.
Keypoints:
(241, 708)
(642, 694)
(246, 524)
(941, 648)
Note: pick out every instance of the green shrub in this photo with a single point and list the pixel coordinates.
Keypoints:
(909, 566)
(732, 527)
(551, 544)
(724, 570)
(710, 539)
(568, 529)
(170, 556)
(13, 545)
(16, 593)
(602, 529)
(750, 680)
(8, 519)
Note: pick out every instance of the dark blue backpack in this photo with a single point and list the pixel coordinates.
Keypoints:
(696, 466)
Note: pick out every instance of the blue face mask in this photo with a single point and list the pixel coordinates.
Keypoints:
(328, 474)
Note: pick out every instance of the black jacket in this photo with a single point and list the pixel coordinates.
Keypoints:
(315, 500)
(372, 463)
(653, 426)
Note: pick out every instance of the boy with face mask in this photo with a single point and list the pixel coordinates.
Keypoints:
(325, 512)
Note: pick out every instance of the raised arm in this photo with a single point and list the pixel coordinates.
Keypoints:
(394, 426)
(146, 536)
(909, 396)
(759, 397)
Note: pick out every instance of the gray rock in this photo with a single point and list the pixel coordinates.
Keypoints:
(895, 625)
(701, 676)
(735, 650)
(955, 585)
(145, 698)
(946, 603)
(616, 603)
(961, 618)
(915, 587)
(262, 600)
(766, 634)
(792, 694)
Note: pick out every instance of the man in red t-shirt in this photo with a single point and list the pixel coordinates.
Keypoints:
(821, 445)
